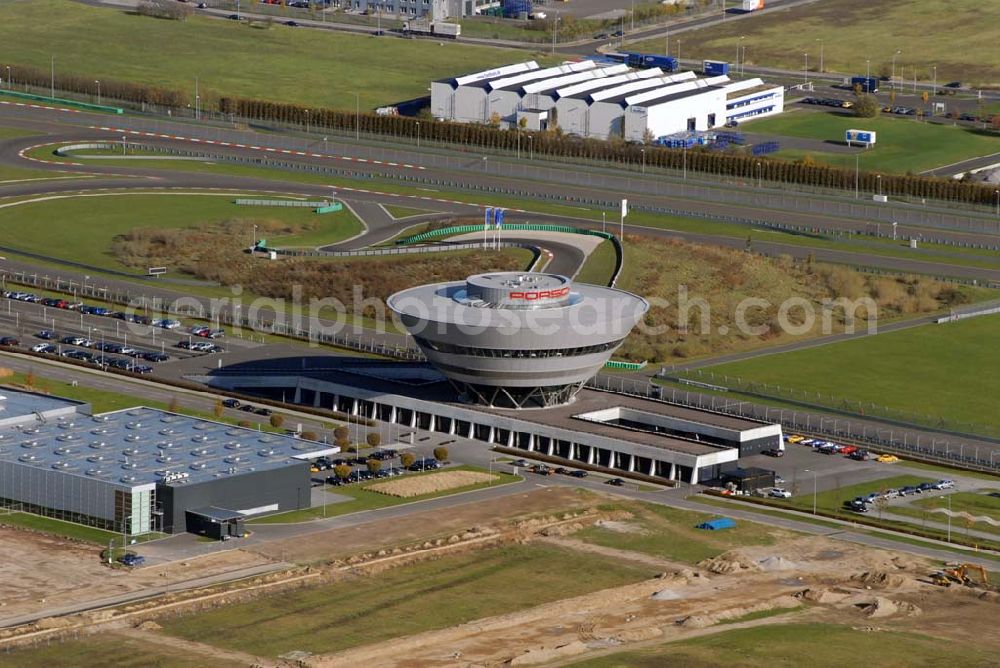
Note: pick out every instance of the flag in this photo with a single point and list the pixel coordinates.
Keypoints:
(498, 218)
(624, 208)
(488, 217)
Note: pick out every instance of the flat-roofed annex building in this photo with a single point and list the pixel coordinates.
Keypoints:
(142, 469)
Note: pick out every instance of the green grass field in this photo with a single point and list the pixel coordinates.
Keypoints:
(309, 67)
(943, 254)
(111, 649)
(669, 533)
(402, 601)
(976, 504)
(833, 500)
(363, 499)
(59, 527)
(850, 32)
(792, 645)
(82, 228)
(939, 144)
(932, 370)
(599, 266)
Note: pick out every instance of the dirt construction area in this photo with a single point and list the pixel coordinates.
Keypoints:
(39, 572)
(431, 483)
(807, 579)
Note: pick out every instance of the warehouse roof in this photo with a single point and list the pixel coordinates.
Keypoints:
(666, 98)
(17, 406)
(143, 446)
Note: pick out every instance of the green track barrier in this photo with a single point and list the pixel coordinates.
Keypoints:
(625, 366)
(65, 103)
(330, 209)
(526, 227)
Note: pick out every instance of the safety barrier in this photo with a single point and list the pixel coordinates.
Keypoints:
(520, 227)
(282, 202)
(58, 100)
(625, 366)
(330, 208)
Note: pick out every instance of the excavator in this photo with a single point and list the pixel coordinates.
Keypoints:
(960, 575)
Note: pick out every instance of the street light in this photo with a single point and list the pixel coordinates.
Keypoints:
(307, 122)
(357, 117)
(555, 33)
(878, 180)
(898, 51)
(643, 152)
(10, 83)
(935, 80)
(997, 194)
(759, 184)
(868, 64)
(418, 134)
(805, 69)
(739, 42)
(98, 82)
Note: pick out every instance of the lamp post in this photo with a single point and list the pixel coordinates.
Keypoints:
(739, 43)
(934, 88)
(678, 52)
(357, 117)
(759, 182)
(820, 55)
(418, 134)
(52, 79)
(996, 193)
(898, 51)
(743, 61)
(531, 147)
(643, 152)
(868, 71)
(805, 69)
(857, 170)
(10, 83)
(878, 180)
(98, 82)
(307, 122)
(555, 33)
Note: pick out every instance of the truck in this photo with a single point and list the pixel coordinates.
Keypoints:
(649, 61)
(865, 84)
(432, 29)
(752, 5)
(715, 68)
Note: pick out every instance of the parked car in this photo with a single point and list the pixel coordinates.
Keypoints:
(579, 474)
(155, 357)
(925, 487)
(858, 505)
(231, 403)
(615, 482)
(9, 341)
(779, 493)
(43, 348)
(132, 560)
(46, 334)
(521, 463)
(773, 452)
(887, 459)
(848, 449)
(944, 484)
(795, 438)
(908, 490)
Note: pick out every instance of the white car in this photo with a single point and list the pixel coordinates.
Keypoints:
(944, 484)
(40, 347)
(779, 493)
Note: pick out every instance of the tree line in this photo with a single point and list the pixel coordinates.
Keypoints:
(111, 89)
(734, 163)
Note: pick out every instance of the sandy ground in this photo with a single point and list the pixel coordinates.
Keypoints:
(819, 579)
(430, 483)
(40, 572)
(423, 525)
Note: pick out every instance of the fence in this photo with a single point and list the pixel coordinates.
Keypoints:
(985, 308)
(817, 400)
(58, 100)
(885, 437)
(283, 202)
(523, 227)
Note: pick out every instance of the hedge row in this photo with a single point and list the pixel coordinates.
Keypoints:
(556, 144)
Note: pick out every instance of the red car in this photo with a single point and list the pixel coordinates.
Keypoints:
(848, 449)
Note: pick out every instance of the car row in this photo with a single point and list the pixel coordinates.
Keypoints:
(902, 111)
(163, 323)
(861, 504)
(543, 469)
(200, 346)
(828, 102)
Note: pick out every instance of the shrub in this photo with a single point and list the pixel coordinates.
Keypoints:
(373, 465)
(407, 459)
(309, 436)
(373, 439)
(277, 421)
(441, 453)
(244, 423)
(218, 409)
(341, 432)
(342, 471)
